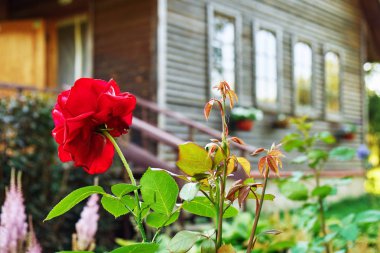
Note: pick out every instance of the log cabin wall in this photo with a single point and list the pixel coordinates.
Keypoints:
(125, 44)
(337, 23)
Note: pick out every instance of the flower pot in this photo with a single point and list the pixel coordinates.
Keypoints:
(244, 125)
(349, 136)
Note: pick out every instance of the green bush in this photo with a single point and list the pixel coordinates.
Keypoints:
(26, 144)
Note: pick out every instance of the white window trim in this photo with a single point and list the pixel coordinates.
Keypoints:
(328, 116)
(310, 111)
(258, 25)
(76, 20)
(213, 8)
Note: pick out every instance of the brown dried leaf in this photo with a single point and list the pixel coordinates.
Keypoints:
(207, 108)
(243, 194)
(258, 151)
(237, 140)
(272, 164)
(262, 165)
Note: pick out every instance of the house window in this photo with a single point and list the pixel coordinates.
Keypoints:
(266, 68)
(73, 50)
(303, 74)
(223, 43)
(332, 82)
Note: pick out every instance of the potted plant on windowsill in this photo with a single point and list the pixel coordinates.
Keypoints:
(243, 118)
(346, 132)
(281, 121)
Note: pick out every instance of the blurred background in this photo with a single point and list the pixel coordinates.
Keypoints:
(285, 59)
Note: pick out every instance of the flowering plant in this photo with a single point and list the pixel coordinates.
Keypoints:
(85, 134)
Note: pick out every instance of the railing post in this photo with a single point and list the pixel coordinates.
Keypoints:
(191, 133)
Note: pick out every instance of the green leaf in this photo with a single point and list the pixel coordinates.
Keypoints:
(350, 233)
(369, 216)
(121, 189)
(203, 207)
(268, 196)
(157, 220)
(294, 190)
(322, 191)
(116, 206)
(73, 199)
(159, 190)
(183, 241)
(193, 159)
(300, 159)
(189, 191)
(208, 246)
(137, 248)
(342, 153)
(292, 141)
(326, 137)
(316, 156)
(281, 246)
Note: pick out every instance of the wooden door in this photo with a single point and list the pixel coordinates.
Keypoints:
(23, 53)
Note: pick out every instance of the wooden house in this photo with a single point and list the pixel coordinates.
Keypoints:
(284, 57)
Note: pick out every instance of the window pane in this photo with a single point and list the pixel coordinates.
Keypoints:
(332, 82)
(266, 67)
(66, 55)
(223, 50)
(302, 73)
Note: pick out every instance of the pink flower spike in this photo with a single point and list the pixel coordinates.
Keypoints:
(87, 225)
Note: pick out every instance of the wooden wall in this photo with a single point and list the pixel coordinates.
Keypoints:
(125, 45)
(337, 23)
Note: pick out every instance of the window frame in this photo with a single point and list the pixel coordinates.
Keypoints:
(299, 110)
(331, 116)
(76, 20)
(213, 9)
(258, 25)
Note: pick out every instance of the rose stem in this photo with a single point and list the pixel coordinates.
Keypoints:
(251, 242)
(220, 211)
(133, 181)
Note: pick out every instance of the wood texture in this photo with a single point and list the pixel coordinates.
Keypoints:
(337, 23)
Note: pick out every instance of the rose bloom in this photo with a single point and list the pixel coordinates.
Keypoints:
(79, 115)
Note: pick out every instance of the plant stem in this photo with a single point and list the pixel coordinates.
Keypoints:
(220, 211)
(321, 211)
(220, 206)
(133, 181)
(252, 238)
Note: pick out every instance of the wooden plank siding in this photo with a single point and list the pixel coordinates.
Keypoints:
(336, 23)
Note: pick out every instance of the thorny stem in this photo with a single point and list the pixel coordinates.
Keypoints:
(252, 237)
(220, 206)
(133, 181)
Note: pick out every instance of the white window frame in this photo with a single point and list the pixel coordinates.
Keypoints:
(78, 60)
(258, 25)
(298, 110)
(213, 8)
(329, 116)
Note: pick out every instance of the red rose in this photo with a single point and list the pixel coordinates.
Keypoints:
(80, 113)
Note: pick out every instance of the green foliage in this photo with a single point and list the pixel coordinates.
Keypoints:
(122, 189)
(203, 207)
(294, 190)
(137, 248)
(189, 191)
(73, 199)
(193, 159)
(158, 220)
(159, 190)
(118, 206)
(183, 241)
(374, 112)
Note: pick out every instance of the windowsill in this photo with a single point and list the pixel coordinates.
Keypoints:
(271, 109)
(307, 111)
(334, 117)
